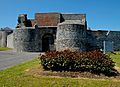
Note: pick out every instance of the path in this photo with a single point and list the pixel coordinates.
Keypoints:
(11, 58)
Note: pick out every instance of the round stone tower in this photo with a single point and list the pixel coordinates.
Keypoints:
(71, 36)
(26, 39)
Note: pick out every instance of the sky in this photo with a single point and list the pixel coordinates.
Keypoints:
(101, 14)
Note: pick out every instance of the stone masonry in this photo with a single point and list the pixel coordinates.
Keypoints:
(56, 31)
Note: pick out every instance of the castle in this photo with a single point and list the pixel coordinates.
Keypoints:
(57, 31)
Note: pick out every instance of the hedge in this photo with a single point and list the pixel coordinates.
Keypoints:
(94, 61)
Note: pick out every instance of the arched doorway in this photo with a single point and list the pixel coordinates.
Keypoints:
(47, 42)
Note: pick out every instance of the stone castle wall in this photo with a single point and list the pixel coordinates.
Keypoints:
(10, 41)
(0, 38)
(27, 39)
(51, 34)
(114, 36)
(70, 36)
(44, 19)
(74, 16)
(56, 31)
(3, 38)
(47, 19)
(30, 39)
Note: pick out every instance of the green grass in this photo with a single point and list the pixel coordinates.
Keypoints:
(17, 77)
(116, 58)
(4, 48)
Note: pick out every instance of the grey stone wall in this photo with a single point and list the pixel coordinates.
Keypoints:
(91, 43)
(0, 38)
(80, 17)
(27, 39)
(10, 41)
(74, 16)
(70, 36)
(114, 36)
(3, 38)
(48, 31)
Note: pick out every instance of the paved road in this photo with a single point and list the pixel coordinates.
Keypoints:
(12, 58)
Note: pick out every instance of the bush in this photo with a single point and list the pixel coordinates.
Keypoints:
(94, 61)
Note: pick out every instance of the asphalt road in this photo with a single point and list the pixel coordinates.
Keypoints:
(11, 58)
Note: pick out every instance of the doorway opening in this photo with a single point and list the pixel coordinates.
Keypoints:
(47, 42)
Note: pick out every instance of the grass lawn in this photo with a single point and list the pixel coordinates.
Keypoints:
(4, 48)
(17, 77)
(116, 58)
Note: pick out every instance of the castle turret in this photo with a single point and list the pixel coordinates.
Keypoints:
(71, 35)
(27, 39)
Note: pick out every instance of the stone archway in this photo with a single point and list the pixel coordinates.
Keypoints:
(47, 42)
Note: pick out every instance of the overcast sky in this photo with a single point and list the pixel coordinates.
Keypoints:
(101, 14)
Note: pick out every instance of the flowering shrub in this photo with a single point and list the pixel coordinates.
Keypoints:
(94, 61)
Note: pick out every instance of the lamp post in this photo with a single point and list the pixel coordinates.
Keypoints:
(104, 42)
